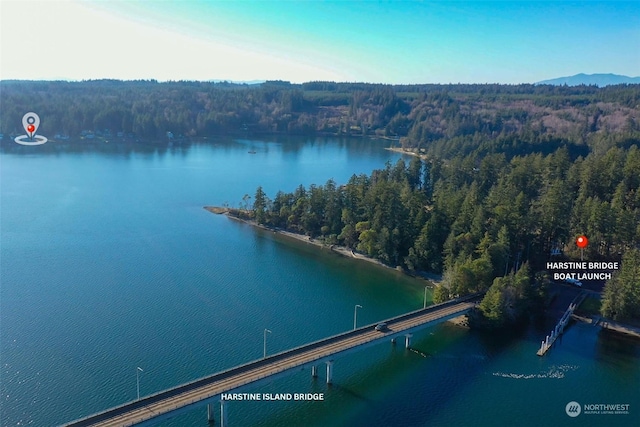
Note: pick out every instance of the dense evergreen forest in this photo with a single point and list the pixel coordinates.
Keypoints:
(508, 172)
(488, 223)
(440, 119)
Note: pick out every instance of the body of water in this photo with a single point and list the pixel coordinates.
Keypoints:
(109, 263)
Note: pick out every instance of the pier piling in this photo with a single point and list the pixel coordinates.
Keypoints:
(210, 414)
(407, 340)
(559, 328)
(329, 371)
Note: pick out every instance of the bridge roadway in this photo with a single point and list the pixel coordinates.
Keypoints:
(206, 388)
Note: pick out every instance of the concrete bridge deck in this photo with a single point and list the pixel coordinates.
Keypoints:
(205, 389)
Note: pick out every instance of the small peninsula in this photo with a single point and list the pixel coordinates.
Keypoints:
(244, 216)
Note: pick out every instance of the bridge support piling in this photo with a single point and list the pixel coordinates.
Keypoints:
(329, 371)
(211, 417)
(203, 391)
(407, 340)
(314, 371)
(223, 413)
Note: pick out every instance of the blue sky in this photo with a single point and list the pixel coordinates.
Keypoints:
(387, 42)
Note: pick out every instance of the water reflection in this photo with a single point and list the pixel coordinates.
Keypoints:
(288, 145)
(614, 347)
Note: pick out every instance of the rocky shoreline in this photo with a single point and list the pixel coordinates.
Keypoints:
(342, 250)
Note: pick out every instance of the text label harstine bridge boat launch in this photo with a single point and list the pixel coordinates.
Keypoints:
(168, 402)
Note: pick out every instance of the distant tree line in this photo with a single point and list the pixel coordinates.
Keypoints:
(438, 119)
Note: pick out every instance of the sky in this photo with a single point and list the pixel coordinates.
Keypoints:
(366, 41)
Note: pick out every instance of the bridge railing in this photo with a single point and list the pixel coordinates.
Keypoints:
(204, 381)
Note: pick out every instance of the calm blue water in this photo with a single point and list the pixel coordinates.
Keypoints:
(109, 262)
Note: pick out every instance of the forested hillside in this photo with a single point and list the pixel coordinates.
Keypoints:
(477, 219)
(438, 119)
(469, 213)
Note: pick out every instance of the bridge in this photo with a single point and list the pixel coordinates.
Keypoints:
(204, 390)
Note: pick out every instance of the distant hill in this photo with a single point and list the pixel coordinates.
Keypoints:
(592, 79)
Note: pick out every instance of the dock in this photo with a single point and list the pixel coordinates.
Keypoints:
(559, 329)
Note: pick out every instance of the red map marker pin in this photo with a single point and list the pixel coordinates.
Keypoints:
(582, 242)
(31, 128)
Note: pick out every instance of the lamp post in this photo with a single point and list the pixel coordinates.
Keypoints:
(425, 297)
(355, 315)
(138, 370)
(264, 354)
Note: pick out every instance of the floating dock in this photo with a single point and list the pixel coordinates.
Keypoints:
(557, 331)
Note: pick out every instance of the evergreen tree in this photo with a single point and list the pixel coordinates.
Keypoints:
(621, 296)
(260, 206)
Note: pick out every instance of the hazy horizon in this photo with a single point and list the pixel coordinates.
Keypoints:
(390, 43)
(261, 81)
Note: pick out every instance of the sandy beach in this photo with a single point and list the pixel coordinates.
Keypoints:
(408, 152)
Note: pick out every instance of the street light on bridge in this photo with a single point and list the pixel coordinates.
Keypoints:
(425, 297)
(355, 315)
(138, 370)
(264, 354)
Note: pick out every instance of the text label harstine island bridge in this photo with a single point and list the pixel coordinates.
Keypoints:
(168, 402)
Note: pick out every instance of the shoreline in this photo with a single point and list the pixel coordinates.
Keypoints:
(461, 321)
(620, 328)
(341, 250)
(407, 152)
(106, 139)
(609, 325)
